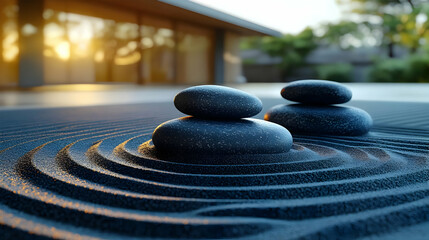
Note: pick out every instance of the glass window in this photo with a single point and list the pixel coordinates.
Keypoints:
(9, 43)
(56, 47)
(194, 55)
(157, 42)
(86, 42)
(117, 53)
(87, 49)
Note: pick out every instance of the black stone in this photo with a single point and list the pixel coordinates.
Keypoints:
(201, 136)
(318, 92)
(211, 101)
(313, 120)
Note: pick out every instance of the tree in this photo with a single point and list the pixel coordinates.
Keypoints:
(292, 49)
(403, 22)
(347, 34)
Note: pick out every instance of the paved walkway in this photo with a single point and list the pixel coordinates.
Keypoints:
(96, 94)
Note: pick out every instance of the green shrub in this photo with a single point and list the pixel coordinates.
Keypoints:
(249, 61)
(389, 70)
(339, 72)
(412, 69)
(418, 68)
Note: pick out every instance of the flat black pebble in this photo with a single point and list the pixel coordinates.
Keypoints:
(202, 136)
(211, 101)
(314, 120)
(317, 92)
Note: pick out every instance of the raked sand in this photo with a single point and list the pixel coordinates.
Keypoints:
(79, 173)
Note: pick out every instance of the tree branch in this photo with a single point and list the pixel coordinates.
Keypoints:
(411, 3)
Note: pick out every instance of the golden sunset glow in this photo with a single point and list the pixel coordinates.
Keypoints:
(63, 50)
(11, 53)
(113, 46)
(133, 58)
(78, 38)
(99, 56)
(10, 47)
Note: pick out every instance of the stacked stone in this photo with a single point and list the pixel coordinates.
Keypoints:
(217, 125)
(315, 114)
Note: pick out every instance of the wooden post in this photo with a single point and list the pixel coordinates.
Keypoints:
(31, 43)
(219, 68)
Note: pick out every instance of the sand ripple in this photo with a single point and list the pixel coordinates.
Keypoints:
(91, 180)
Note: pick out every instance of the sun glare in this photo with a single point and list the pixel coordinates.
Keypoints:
(11, 53)
(63, 50)
(99, 56)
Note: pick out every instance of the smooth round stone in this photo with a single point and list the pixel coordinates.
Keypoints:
(314, 120)
(318, 92)
(211, 101)
(201, 136)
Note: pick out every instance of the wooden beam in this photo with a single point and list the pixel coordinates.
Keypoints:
(30, 16)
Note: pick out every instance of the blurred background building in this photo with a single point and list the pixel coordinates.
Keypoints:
(119, 41)
(45, 42)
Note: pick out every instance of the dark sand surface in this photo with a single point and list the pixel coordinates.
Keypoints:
(79, 173)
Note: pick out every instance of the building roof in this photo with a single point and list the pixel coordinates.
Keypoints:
(191, 12)
(219, 15)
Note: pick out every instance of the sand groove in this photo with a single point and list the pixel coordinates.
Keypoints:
(91, 179)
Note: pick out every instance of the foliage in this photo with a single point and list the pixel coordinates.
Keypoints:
(291, 48)
(339, 72)
(418, 68)
(389, 70)
(412, 69)
(382, 23)
(403, 22)
(248, 61)
(250, 43)
(346, 34)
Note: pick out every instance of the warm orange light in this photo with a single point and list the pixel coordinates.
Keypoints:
(11, 53)
(63, 50)
(10, 46)
(99, 56)
(147, 42)
(130, 59)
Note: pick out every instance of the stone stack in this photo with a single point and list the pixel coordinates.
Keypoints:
(315, 113)
(217, 125)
